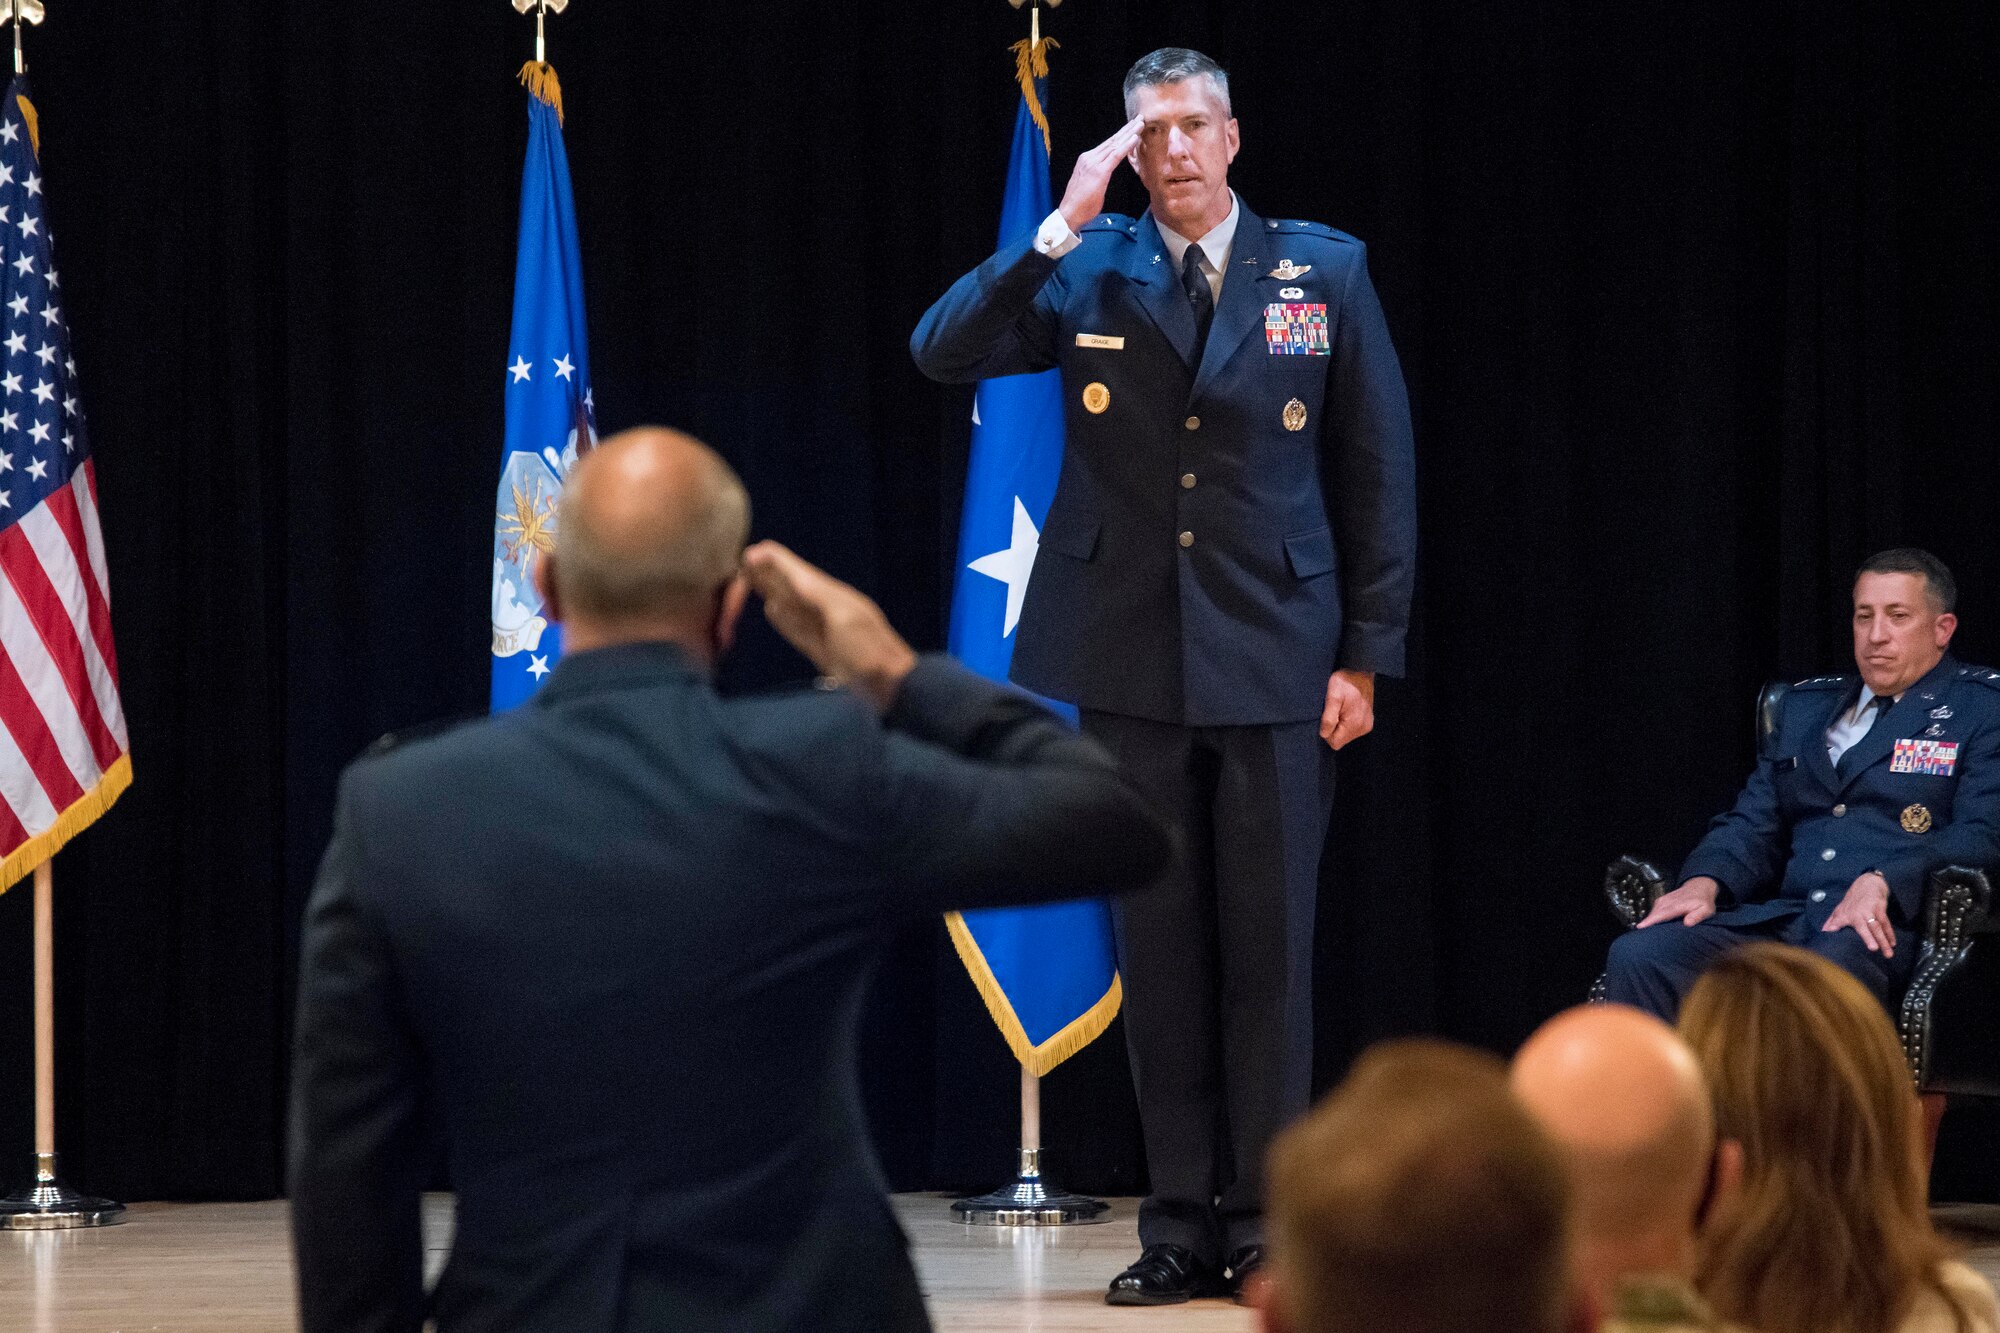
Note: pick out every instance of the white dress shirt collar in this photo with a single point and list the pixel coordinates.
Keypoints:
(1214, 247)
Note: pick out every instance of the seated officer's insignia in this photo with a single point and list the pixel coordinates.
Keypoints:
(1296, 328)
(1287, 270)
(1941, 712)
(1095, 397)
(1916, 819)
(1295, 415)
(1291, 293)
(1932, 758)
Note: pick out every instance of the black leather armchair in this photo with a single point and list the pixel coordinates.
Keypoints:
(1946, 1021)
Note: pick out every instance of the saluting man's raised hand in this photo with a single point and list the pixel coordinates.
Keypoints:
(1083, 198)
(836, 626)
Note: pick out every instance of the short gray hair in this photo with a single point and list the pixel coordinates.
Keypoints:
(1171, 64)
(672, 568)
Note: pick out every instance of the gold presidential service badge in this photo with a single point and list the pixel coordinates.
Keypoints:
(1295, 415)
(1916, 819)
(1095, 397)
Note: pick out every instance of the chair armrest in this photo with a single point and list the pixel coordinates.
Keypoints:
(1958, 903)
(1633, 885)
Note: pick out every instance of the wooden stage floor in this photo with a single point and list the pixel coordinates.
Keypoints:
(226, 1268)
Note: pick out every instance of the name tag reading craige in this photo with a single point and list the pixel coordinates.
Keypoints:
(1108, 342)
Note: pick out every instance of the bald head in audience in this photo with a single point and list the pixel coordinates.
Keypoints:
(1419, 1197)
(1623, 1096)
(649, 546)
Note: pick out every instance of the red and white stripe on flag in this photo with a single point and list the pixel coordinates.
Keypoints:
(64, 753)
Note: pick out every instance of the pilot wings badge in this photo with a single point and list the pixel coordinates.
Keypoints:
(1287, 270)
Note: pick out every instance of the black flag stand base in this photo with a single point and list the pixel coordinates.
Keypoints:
(1028, 1202)
(48, 1205)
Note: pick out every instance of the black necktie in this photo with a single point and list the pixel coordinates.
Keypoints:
(1200, 299)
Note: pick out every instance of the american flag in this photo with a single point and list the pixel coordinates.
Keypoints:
(63, 750)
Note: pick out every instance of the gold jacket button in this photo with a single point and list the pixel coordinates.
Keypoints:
(1194, 423)
(1187, 483)
(1187, 539)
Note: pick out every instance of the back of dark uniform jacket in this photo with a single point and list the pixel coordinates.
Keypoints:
(610, 951)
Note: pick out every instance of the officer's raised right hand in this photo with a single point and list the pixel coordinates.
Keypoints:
(1691, 903)
(1083, 198)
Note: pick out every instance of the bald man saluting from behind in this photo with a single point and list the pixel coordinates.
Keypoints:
(609, 950)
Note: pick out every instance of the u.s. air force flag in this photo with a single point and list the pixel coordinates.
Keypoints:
(549, 410)
(1048, 974)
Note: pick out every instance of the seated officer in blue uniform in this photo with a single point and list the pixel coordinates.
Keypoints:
(1866, 786)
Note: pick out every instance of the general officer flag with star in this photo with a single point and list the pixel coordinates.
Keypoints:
(549, 408)
(1048, 974)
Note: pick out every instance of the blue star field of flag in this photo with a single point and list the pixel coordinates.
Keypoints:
(41, 425)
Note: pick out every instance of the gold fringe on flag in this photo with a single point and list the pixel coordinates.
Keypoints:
(1031, 62)
(82, 812)
(539, 77)
(1037, 1060)
(34, 125)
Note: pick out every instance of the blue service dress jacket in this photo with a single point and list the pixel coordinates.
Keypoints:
(1227, 531)
(610, 950)
(1921, 790)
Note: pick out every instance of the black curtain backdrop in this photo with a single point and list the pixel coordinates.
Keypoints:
(1697, 304)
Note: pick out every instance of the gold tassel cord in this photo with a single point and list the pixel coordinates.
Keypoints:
(539, 77)
(1031, 62)
(81, 813)
(1037, 1060)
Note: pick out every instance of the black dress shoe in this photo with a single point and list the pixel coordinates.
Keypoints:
(1164, 1275)
(1245, 1262)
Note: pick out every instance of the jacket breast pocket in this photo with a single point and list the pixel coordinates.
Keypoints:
(1310, 554)
(1073, 535)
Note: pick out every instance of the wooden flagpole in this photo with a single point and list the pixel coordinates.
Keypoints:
(45, 1022)
(47, 1205)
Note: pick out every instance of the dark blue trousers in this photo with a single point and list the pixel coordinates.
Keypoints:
(1652, 969)
(1216, 958)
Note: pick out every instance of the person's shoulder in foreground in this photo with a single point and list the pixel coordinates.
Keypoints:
(1930, 1313)
(1662, 1305)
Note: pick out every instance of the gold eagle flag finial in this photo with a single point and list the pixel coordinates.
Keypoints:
(538, 74)
(1031, 62)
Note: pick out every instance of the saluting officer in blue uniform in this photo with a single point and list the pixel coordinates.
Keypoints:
(1866, 786)
(1225, 568)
